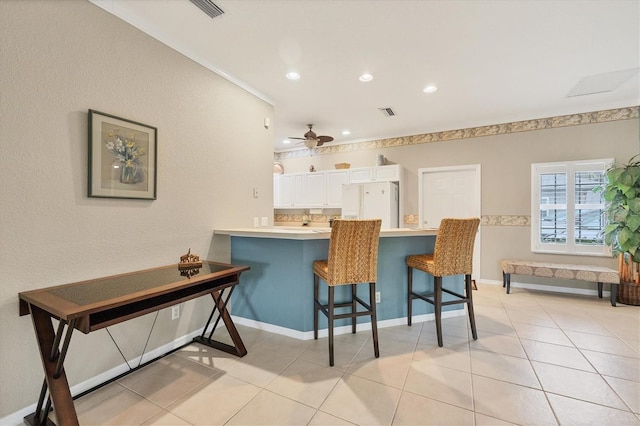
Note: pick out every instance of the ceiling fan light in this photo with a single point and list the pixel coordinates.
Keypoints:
(311, 143)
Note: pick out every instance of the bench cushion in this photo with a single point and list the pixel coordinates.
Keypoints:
(563, 271)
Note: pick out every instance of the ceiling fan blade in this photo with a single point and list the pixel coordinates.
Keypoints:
(320, 143)
(324, 139)
(302, 139)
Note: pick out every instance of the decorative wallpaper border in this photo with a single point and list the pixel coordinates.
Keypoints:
(408, 219)
(473, 132)
(505, 220)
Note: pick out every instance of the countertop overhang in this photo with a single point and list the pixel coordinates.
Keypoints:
(314, 233)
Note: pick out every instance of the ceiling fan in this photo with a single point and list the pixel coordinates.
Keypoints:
(311, 140)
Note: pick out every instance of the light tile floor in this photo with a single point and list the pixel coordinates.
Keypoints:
(540, 359)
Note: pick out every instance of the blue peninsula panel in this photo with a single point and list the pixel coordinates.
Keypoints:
(278, 289)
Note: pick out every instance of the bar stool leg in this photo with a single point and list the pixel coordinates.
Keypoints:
(315, 306)
(374, 320)
(437, 299)
(409, 294)
(472, 320)
(354, 307)
(330, 329)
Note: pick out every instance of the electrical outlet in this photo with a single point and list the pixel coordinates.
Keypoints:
(377, 297)
(265, 221)
(256, 221)
(175, 312)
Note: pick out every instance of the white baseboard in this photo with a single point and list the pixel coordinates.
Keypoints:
(308, 335)
(17, 417)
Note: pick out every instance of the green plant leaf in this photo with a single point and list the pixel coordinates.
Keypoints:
(633, 223)
(620, 214)
(609, 238)
(634, 205)
(610, 228)
(613, 175)
(630, 194)
(626, 178)
(610, 193)
(624, 235)
(634, 172)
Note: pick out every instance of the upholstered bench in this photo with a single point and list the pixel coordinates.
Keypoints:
(597, 274)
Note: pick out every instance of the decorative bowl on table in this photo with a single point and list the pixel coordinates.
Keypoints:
(342, 165)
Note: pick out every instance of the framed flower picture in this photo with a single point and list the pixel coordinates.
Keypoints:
(122, 157)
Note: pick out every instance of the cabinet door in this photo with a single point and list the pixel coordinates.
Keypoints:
(285, 190)
(361, 174)
(388, 173)
(298, 190)
(276, 191)
(314, 189)
(334, 181)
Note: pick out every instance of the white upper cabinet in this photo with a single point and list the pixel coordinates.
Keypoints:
(324, 189)
(389, 173)
(333, 184)
(314, 189)
(361, 174)
(288, 190)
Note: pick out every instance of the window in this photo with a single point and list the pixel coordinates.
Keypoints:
(567, 215)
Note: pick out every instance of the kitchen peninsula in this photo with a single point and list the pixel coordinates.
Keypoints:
(277, 291)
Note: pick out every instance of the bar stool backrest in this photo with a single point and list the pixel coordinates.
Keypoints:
(353, 251)
(453, 252)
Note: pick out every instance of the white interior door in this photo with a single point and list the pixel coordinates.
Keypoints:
(450, 192)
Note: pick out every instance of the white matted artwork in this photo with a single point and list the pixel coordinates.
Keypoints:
(122, 158)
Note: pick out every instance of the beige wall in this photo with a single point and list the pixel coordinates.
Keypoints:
(57, 60)
(506, 175)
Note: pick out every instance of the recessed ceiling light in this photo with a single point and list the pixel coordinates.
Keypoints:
(430, 89)
(293, 75)
(346, 132)
(286, 141)
(366, 77)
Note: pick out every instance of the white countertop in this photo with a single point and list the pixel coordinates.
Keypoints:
(314, 233)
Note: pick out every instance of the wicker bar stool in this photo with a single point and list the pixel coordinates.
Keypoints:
(452, 255)
(353, 259)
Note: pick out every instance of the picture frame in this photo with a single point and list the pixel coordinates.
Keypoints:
(122, 158)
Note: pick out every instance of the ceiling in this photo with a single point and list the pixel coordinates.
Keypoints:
(492, 61)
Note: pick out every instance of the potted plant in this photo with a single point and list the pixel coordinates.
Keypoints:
(621, 192)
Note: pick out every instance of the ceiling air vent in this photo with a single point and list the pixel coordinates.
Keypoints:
(387, 111)
(208, 7)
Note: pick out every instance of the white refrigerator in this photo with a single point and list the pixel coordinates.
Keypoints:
(373, 200)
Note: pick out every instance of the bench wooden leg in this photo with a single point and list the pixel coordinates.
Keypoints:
(600, 290)
(614, 294)
(506, 281)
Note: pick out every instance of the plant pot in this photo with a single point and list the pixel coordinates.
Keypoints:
(629, 293)
(629, 287)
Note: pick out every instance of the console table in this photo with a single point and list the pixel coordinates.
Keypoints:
(94, 304)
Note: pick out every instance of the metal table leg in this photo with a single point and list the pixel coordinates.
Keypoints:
(220, 305)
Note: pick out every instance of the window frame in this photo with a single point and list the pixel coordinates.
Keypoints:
(569, 168)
